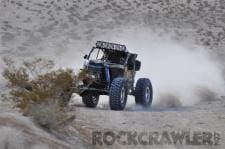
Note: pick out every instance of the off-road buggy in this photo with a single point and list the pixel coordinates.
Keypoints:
(110, 70)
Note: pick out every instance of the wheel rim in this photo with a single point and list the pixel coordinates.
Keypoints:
(122, 95)
(94, 99)
(147, 94)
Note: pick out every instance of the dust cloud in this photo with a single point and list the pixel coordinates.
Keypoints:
(182, 74)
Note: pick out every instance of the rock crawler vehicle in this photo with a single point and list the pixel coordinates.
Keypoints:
(110, 70)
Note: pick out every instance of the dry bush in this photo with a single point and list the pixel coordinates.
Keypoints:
(47, 114)
(38, 90)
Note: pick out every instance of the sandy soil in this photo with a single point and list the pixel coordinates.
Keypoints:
(206, 116)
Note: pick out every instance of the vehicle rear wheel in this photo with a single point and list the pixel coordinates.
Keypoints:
(90, 100)
(144, 92)
(118, 94)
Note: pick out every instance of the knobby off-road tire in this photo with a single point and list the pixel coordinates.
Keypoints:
(118, 94)
(144, 92)
(90, 100)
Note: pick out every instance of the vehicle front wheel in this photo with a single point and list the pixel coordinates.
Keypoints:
(90, 100)
(144, 92)
(118, 94)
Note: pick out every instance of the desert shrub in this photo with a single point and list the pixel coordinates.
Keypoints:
(35, 82)
(47, 114)
(40, 91)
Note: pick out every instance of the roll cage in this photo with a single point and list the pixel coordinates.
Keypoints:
(112, 56)
(116, 54)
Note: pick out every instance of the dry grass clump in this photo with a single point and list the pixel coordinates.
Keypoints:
(38, 90)
(47, 114)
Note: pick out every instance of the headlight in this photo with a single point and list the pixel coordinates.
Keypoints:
(80, 83)
(92, 76)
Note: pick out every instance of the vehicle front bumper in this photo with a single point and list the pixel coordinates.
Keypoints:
(88, 90)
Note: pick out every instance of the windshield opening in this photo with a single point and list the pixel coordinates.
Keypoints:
(111, 56)
(96, 54)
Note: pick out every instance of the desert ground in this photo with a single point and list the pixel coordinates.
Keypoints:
(180, 43)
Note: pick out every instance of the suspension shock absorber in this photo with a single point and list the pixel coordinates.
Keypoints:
(107, 75)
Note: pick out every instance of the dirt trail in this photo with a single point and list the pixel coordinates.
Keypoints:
(207, 116)
(203, 117)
